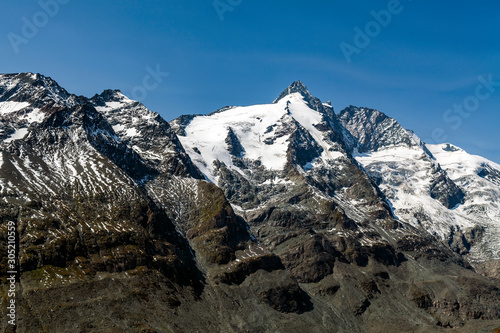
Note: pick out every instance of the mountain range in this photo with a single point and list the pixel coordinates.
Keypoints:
(280, 217)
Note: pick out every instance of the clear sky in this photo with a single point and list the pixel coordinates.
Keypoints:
(423, 64)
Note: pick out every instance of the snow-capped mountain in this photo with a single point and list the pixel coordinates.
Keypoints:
(146, 132)
(247, 219)
(480, 180)
(434, 189)
(292, 144)
(298, 139)
(259, 145)
(24, 97)
(263, 134)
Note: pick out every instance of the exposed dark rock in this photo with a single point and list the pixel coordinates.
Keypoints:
(217, 232)
(446, 191)
(371, 129)
(286, 298)
(233, 144)
(241, 270)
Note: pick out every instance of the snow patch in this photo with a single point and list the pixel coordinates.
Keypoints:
(118, 128)
(111, 106)
(18, 135)
(10, 107)
(35, 116)
(131, 132)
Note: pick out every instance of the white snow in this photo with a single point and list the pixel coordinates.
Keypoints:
(132, 132)
(35, 116)
(119, 127)
(400, 154)
(415, 138)
(252, 125)
(309, 165)
(482, 204)
(115, 105)
(277, 181)
(18, 135)
(308, 117)
(10, 107)
(406, 178)
(111, 106)
(458, 163)
(406, 174)
(208, 134)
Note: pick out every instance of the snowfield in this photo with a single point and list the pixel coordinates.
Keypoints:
(480, 179)
(10, 107)
(254, 126)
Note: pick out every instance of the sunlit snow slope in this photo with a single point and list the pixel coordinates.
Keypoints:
(263, 131)
(438, 188)
(480, 179)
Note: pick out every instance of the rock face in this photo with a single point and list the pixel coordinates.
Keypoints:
(371, 130)
(281, 217)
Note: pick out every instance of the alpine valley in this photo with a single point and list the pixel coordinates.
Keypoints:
(281, 217)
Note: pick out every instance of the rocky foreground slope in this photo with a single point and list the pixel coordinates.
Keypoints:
(282, 217)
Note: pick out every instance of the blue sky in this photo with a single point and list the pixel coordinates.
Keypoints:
(424, 67)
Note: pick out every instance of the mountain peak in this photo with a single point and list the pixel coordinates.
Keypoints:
(33, 79)
(295, 87)
(110, 95)
(33, 88)
(373, 130)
